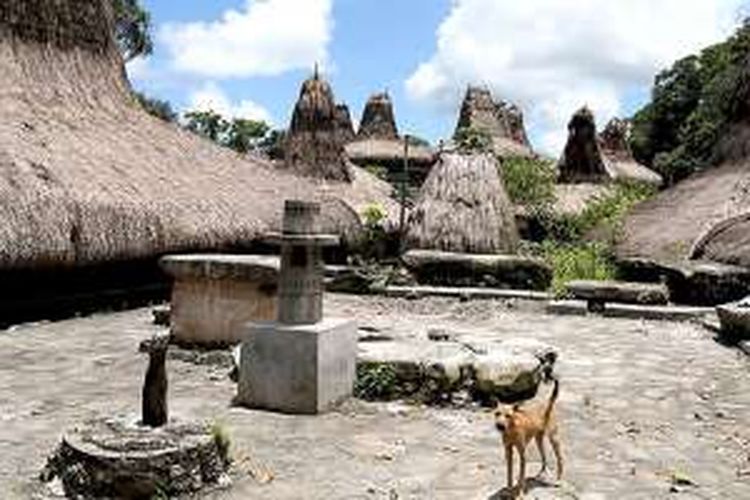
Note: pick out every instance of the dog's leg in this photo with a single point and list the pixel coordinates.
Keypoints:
(558, 453)
(542, 453)
(509, 464)
(522, 477)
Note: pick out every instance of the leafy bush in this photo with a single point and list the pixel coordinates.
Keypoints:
(473, 139)
(375, 382)
(222, 440)
(577, 261)
(529, 181)
(378, 171)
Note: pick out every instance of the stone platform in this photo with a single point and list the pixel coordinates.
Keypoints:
(118, 458)
(297, 368)
(215, 295)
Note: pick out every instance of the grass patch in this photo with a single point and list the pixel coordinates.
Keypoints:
(375, 381)
(530, 182)
(577, 261)
(223, 441)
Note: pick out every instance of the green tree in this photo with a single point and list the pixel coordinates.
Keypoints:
(209, 124)
(691, 104)
(245, 135)
(132, 29)
(156, 107)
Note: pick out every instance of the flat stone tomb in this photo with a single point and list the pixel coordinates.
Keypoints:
(215, 295)
(301, 363)
(598, 293)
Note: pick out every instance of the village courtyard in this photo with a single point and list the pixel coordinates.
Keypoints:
(648, 409)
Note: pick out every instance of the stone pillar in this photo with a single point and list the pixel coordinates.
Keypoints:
(301, 279)
(302, 363)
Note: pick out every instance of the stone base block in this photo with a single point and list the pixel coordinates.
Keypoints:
(298, 369)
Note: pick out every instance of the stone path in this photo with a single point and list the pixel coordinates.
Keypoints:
(642, 403)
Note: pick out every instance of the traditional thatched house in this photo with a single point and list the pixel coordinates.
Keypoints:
(501, 120)
(463, 207)
(378, 143)
(314, 144)
(589, 158)
(93, 189)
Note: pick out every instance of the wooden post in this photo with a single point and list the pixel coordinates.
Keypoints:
(403, 186)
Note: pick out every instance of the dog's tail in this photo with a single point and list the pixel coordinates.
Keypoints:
(552, 399)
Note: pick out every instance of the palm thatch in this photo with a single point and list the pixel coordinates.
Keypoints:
(503, 122)
(378, 121)
(727, 242)
(87, 176)
(313, 143)
(618, 157)
(463, 207)
(589, 158)
(344, 126)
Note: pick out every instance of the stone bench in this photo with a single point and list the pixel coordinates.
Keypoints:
(215, 295)
(438, 268)
(598, 293)
(735, 319)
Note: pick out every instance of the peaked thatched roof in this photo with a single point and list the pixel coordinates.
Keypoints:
(87, 176)
(378, 120)
(503, 121)
(344, 124)
(463, 207)
(314, 145)
(588, 158)
(618, 157)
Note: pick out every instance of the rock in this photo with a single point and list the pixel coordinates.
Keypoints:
(354, 281)
(507, 376)
(700, 283)
(432, 267)
(618, 291)
(735, 320)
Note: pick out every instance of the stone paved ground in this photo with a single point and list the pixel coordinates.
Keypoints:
(640, 401)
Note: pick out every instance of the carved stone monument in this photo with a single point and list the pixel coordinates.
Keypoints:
(301, 363)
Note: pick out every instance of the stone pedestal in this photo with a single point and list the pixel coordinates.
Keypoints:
(214, 295)
(299, 369)
(302, 363)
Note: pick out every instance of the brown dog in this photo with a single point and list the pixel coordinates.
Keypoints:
(520, 424)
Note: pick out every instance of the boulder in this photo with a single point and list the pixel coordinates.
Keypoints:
(438, 268)
(735, 319)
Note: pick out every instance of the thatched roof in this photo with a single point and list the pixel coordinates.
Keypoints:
(503, 121)
(463, 207)
(727, 242)
(378, 121)
(314, 146)
(667, 227)
(344, 124)
(389, 152)
(589, 158)
(618, 157)
(87, 176)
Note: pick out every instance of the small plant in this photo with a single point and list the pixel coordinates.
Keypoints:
(529, 181)
(375, 382)
(473, 139)
(374, 214)
(579, 261)
(378, 171)
(222, 439)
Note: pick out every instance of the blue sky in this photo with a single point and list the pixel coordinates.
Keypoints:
(248, 57)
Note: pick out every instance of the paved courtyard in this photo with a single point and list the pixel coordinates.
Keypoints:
(642, 404)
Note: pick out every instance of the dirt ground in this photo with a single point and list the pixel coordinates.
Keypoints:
(642, 404)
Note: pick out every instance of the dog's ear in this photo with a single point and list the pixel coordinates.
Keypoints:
(516, 407)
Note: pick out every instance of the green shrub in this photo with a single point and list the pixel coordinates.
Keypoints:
(378, 171)
(223, 442)
(529, 181)
(578, 261)
(375, 382)
(473, 139)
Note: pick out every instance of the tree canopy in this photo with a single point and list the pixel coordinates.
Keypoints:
(132, 29)
(239, 134)
(691, 103)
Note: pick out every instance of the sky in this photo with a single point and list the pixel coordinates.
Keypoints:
(247, 58)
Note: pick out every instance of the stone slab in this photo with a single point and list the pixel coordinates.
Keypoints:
(458, 269)
(215, 295)
(297, 369)
(735, 320)
(619, 291)
(630, 311)
(462, 292)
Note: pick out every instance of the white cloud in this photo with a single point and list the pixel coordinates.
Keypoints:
(264, 38)
(211, 98)
(553, 56)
